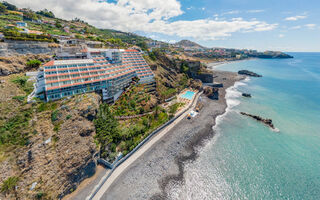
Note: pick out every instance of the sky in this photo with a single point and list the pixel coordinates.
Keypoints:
(284, 25)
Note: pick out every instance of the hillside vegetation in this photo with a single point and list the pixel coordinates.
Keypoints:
(46, 22)
(47, 149)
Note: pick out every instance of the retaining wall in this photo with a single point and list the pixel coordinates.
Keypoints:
(116, 164)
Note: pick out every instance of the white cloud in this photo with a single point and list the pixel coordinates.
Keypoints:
(311, 26)
(296, 27)
(281, 35)
(232, 12)
(295, 18)
(149, 16)
(255, 11)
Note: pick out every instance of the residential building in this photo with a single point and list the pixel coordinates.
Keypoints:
(21, 24)
(105, 70)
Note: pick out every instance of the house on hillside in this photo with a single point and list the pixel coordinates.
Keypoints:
(24, 30)
(22, 24)
(35, 32)
(94, 44)
(67, 29)
(10, 26)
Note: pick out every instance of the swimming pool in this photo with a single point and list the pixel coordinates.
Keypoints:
(188, 95)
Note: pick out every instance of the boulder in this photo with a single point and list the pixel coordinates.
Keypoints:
(246, 95)
(249, 73)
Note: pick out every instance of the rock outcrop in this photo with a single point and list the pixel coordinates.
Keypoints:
(17, 64)
(249, 73)
(14, 47)
(267, 122)
(211, 92)
(60, 151)
(246, 95)
(273, 54)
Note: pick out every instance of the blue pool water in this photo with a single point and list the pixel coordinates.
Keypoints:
(188, 95)
(247, 160)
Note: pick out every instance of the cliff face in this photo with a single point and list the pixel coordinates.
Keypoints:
(17, 64)
(9, 48)
(59, 152)
(169, 77)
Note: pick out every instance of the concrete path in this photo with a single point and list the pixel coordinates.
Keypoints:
(142, 150)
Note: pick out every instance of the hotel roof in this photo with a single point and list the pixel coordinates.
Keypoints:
(103, 50)
(68, 62)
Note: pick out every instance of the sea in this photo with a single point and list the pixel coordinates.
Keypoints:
(248, 160)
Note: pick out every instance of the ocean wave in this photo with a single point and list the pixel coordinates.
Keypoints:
(247, 79)
(275, 130)
(232, 99)
(195, 171)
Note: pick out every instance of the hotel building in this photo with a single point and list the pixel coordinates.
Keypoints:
(106, 70)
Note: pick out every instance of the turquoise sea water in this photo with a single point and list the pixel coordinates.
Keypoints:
(247, 160)
(188, 95)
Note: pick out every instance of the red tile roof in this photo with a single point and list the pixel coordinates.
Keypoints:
(50, 63)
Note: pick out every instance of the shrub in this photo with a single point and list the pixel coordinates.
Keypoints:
(39, 195)
(13, 130)
(107, 130)
(9, 185)
(54, 116)
(3, 8)
(22, 82)
(113, 147)
(19, 98)
(34, 63)
(152, 56)
(55, 138)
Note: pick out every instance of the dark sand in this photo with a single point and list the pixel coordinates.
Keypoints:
(149, 175)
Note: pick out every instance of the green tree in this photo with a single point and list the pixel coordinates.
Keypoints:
(143, 45)
(30, 15)
(9, 185)
(58, 24)
(46, 13)
(2, 8)
(9, 6)
(184, 68)
(156, 112)
(106, 127)
(152, 56)
(33, 63)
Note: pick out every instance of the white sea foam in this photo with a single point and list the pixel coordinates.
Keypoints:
(232, 99)
(275, 130)
(196, 178)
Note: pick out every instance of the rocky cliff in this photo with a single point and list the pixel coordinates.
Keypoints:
(168, 75)
(10, 48)
(17, 64)
(59, 149)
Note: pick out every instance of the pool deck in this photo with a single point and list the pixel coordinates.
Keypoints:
(183, 92)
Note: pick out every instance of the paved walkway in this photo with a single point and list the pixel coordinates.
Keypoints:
(143, 149)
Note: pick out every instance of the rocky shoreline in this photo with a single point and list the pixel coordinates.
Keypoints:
(249, 73)
(267, 122)
(149, 176)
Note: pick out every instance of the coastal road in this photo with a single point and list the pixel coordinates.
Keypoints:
(142, 150)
